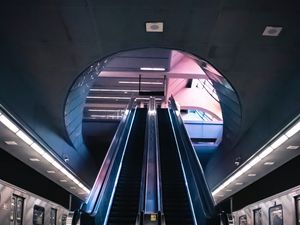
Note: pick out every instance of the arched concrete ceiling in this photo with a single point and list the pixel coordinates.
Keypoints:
(45, 45)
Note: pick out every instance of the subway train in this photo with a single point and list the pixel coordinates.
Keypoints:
(20, 207)
(280, 209)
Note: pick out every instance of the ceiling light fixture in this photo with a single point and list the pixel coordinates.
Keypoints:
(10, 142)
(50, 171)
(272, 31)
(24, 137)
(111, 90)
(251, 175)
(142, 82)
(34, 159)
(8, 123)
(106, 110)
(293, 147)
(152, 69)
(154, 27)
(239, 183)
(293, 129)
(270, 163)
(108, 97)
(105, 116)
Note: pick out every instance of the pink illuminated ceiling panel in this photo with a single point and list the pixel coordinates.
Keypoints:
(196, 98)
(184, 64)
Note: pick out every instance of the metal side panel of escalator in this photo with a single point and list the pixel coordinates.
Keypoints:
(124, 208)
(177, 209)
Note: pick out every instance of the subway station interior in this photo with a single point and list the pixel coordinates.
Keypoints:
(149, 112)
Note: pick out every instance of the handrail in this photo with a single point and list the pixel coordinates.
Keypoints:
(192, 164)
(89, 206)
(150, 192)
(106, 195)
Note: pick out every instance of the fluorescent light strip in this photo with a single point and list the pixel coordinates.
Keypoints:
(112, 90)
(106, 110)
(293, 130)
(265, 152)
(118, 98)
(148, 99)
(105, 116)
(283, 138)
(142, 82)
(24, 137)
(106, 97)
(152, 69)
(28, 140)
(8, 123)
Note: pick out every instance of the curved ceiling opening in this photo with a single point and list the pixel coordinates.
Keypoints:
(107, 86)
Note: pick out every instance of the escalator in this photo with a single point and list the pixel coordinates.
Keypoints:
(177, 209)
(125, 203)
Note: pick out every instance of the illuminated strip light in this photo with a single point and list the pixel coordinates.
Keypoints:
(118, 98)
(35, 146)
(106, 110)
(142, 82)
(152, 69)
(157, 99)
(105, 116)
(112, 90)
(266, 151)
(104, 97)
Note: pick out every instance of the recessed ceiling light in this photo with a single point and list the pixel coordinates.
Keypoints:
(269, 163)
(81, 193)
(293, 147)
(154, 26)
(106, 110)
(10, 142)
(272, 31)
(239, 183)
(112, 90)
(50, 171)
(108, 97)
(63, 181)
(142, 82)
(251, 175)
(73, 188)
(228, 190)
(34, 159)
(220, 195)
(152, 69)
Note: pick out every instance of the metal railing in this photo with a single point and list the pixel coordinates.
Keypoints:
(200, 196)
(151, 193)
(104, 185)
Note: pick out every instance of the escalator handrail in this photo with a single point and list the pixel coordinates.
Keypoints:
(106, 194)
(205, 195)
(158, 170)
(151, 143)
(89, 205)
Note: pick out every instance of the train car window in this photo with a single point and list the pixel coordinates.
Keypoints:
(64, 219)
(243, 220)
(53, 215)
(276, 215)
(38, 215)
(16, 213)
(257, 216)
(297, 203)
